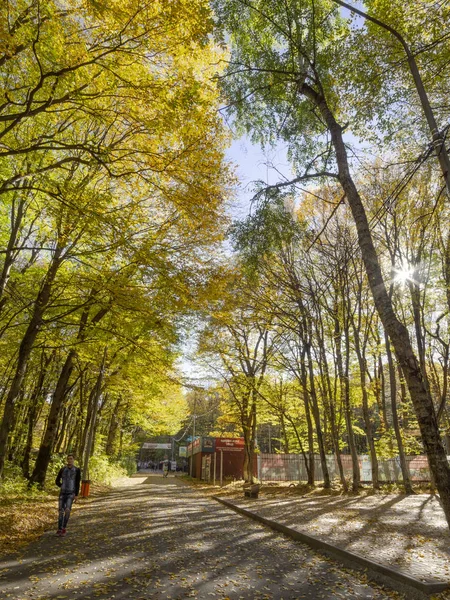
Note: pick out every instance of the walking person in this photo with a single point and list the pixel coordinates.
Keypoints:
(68, 479)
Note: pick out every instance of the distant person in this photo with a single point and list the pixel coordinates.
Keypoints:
(166, 468)
(68, 479)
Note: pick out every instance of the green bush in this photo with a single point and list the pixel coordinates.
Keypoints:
(128, 463)
(102, 470)
(15, 487)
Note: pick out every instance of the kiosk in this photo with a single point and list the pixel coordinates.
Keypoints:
(216, 459)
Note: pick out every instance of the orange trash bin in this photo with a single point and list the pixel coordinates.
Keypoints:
(85, 485)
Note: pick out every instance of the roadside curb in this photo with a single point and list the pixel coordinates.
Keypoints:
(405, 584)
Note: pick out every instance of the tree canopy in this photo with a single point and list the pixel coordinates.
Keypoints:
(324, 314)
(113, 183)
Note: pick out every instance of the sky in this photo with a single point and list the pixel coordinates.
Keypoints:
(254, 164)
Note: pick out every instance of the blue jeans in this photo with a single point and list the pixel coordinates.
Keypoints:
(65, 504)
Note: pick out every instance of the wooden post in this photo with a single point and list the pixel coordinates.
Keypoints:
(221, 468)
(214, 470)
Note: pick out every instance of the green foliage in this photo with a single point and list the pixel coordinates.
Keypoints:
(127, 463)
(56, 463)
(112, 201)
(275, 47)
(291, 64)
(377, 89)
(15, 489)
(102, 470)
(264, 232)
(386, 445)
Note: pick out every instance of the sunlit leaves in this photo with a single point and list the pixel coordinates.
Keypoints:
(112, 152)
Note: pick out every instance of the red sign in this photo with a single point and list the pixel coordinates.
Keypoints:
(229, 444)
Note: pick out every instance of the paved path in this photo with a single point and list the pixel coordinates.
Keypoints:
(157, 538)
(407, 533)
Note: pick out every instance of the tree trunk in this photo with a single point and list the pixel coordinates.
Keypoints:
(18, 431)
(366, 413)
(398, 436)
(26, 346)
(308, 462)
(72, 434)
(323, 366)
(59, 441)
(403, 398)
(59, 397)
(85, 427)
(93, 408)
(81, 438)
(306, 400)
(284, 434)
(415, 301)
(356, 473)
(100, 408)
(113, 427)
(36, 400)
(382, 395)
(29, 443)
(249, 440)
(10, 254)
(345, 396)
(316, 416)
(397, 332)
(48, 439)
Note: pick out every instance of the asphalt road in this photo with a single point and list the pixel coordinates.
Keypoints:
(159, 539)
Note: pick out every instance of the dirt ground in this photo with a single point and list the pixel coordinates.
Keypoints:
(409, 533)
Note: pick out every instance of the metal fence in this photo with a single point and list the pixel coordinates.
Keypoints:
(291, 467)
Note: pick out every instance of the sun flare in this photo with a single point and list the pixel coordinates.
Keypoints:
(403, 274)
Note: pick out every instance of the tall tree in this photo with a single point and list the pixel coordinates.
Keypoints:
(283, 55)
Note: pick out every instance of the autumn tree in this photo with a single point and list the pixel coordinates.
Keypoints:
(113, 181)
(237, 344)
(282, 84)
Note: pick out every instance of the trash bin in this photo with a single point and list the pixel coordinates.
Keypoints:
(85, 485)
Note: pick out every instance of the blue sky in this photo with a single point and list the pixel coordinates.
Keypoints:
(253, 164)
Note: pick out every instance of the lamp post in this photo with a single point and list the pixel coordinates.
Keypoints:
(192, 447)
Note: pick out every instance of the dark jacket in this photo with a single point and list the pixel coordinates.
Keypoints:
(69, 480)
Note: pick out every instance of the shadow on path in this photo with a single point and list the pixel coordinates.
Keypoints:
(163, 540)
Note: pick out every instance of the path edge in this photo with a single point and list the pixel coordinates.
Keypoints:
(405, 584)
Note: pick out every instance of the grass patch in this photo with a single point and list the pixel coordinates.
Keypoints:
(230, 488)
(294, 489)
(25, 514)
